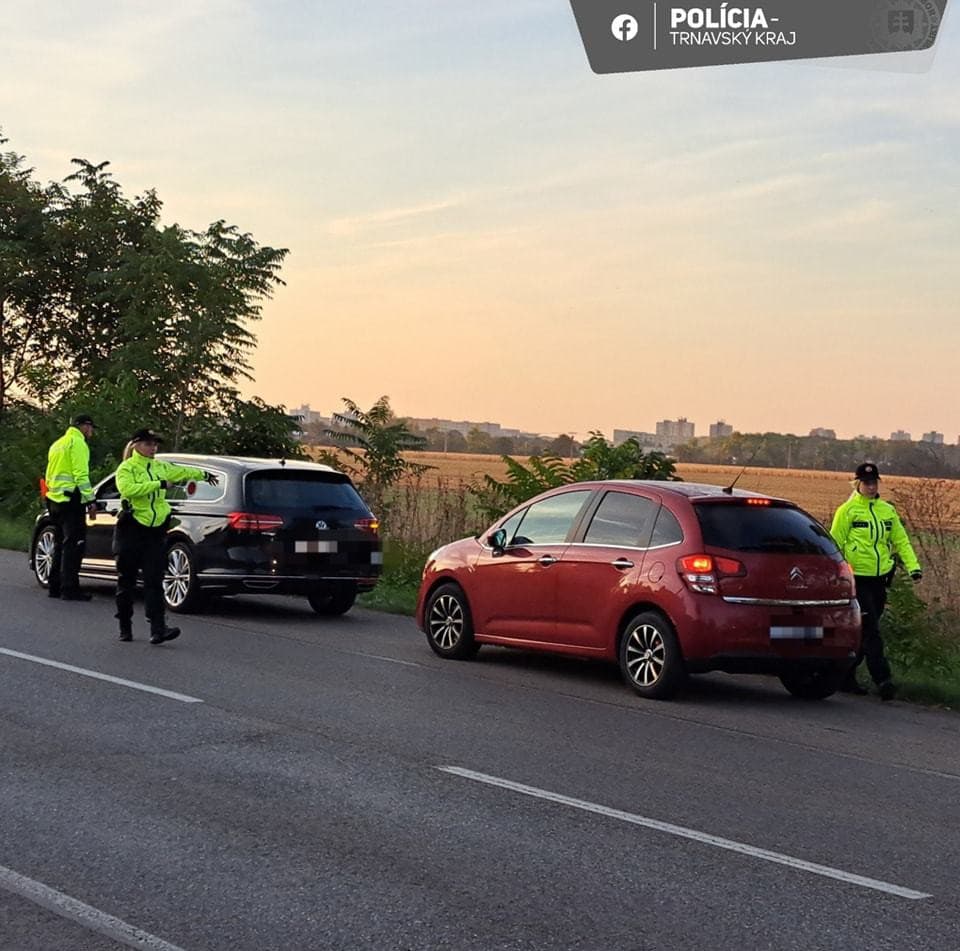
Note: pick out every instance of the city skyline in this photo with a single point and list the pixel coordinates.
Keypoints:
(309, 414)
(472, 213)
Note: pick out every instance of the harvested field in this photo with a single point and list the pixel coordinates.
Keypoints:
(816, 491)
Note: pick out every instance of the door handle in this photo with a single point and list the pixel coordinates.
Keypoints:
(621, 564)
(547, 560)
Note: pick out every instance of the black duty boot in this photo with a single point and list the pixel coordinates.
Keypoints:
(126, 634)
(167, 634)
(888, 690)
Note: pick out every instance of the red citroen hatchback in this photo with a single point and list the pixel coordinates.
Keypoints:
(666, 578)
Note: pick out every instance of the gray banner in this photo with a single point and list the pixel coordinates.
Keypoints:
(626, 35)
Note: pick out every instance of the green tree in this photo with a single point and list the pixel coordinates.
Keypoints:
(598, 459)
(169, 306)
(382, 439)
(26, 292)
(564, 446)
(106, 309)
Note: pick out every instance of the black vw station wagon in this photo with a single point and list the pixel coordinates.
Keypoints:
(276, 527)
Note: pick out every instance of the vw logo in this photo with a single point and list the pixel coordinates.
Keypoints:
(321, 526)
(796, 576)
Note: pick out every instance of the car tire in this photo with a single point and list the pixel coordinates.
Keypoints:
(449, 624)
(41, 555)
(812, 683)
(333, 600)
(181, 588)
(651, 661)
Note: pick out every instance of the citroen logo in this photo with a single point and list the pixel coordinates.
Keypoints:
(796, 576)
(321, 526)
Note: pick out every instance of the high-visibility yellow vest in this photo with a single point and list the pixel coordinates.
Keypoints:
(68, 467)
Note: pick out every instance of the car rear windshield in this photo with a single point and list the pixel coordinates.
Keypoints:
(302, 491)
(738, 526)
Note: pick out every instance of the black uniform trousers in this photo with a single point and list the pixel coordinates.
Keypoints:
(140, 548)
(71, 537)
(872, 595)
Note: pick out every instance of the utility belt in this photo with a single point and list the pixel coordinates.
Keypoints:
(73, 498)
(127, 520)
(130, 535)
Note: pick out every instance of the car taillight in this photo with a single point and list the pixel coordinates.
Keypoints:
(43, 487)
(702, 573)
(371, 525)
(254, 522)
(846, 574)
(758, 501)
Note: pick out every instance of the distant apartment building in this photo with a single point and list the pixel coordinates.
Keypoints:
(673, 432)
(305, 415)
(932, 437)
(462, 426)
(719, 429)
(900, 436)
(824, 433)
(620, 436)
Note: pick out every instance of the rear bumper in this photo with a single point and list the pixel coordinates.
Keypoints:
(234, 581)
(740, 638)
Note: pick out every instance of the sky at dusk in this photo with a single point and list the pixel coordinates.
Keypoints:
(481, 228)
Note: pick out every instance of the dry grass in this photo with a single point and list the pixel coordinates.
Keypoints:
(816, 491)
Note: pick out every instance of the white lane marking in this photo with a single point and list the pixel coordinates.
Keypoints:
(685, 833)
(182, 697)
(86, 915)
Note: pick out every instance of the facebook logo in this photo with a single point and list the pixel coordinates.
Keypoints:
(624, 27)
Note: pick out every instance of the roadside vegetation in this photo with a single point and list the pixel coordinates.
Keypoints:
(106, 310)
(922, 623)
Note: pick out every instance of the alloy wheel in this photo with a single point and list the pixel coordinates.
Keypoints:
(176, 579)
(43, 555)
(646, 655)
(446, 621)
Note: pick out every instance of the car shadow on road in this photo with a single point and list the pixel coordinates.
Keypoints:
(713, 689)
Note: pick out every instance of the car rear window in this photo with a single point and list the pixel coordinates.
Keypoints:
(762, 528)
(301, 491)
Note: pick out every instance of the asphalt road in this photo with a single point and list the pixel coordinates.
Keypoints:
(331, 784)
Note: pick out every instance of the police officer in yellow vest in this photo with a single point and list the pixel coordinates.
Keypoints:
(868, 531)
(140, 541)
(69, 498)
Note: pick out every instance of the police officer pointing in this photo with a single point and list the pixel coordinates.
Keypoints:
(869, 533)
(69, 497)
(140, 542)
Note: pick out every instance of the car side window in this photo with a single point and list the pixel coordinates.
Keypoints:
(667, 530)
(108, 490)
(199, 491)
(511, 524)
(549, 521)
(622, 519)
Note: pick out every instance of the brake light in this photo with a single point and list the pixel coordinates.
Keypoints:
(371, 525)
(254, 522)
(43, 487)
(758, 501)
(847, 577)
(702, 573)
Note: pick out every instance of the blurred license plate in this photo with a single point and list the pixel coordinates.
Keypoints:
(795, 633)
(315, 546)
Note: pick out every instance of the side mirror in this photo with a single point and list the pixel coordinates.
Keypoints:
(498, 540)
